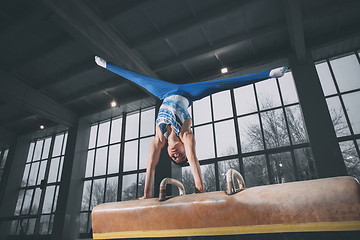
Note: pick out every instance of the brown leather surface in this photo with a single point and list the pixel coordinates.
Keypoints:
(323, 200)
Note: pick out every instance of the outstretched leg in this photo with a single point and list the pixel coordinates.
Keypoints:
(197, 91)
(192, 91)
(155, 86)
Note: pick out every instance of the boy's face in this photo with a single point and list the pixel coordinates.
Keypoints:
(177, 153)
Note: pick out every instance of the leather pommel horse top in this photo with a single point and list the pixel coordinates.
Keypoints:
(330, 204)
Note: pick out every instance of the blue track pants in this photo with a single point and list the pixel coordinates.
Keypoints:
(192, 91)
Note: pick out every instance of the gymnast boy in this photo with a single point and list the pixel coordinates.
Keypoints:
(173, 122)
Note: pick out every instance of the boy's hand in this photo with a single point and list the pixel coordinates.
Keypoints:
(199, 190)
(141, 198)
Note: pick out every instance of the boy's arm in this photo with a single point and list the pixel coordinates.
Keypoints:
(189, 143)
(155, 149)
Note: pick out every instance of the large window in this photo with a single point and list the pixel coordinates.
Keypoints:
(3, 157)
(117, 158)
(257, 129)
(340, 80)
(39, 190)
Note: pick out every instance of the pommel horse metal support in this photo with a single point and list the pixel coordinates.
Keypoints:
(322, 205)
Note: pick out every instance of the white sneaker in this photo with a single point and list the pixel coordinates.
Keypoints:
(277, 72)
(101, 62)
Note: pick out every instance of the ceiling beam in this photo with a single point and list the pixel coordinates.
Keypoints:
(116, 14)
(81, 22)
(218, 46)
(296, 30)
(184, 25)
(95, 90)
(66, 75)
(55, 46)
(24, 97)
(316, 14)
(17, 119)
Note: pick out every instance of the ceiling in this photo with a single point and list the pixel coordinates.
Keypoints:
(47, 48)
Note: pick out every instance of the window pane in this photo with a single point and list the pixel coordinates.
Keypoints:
(131, 156)
(128, 187)
(42, 171)
(255, 169)
(288, 90)
(245, 100)
(114, 159)
(86, 196)
(46, 148)
(64, 145)
(60, 168)
(100, 161)
(55, 198)
(26, 175)
(225, 138)
(275, 129)
(268, 94)
(351, 158)
(98, 191)
(89, 227)
(147, 126)
(30, 153)
(351, 102)
(31, 226)
(116, 126)
(58, 145)
(202, 111)
(83, 222)
(36, 201)
(90, 163)
(19, 202)
(141, 185)
(92, 139)
(338, 117)
(111, 189)
(44, 224)
(326, 79)
(204, 138)
(132, 126)
(23, 227)
(3, 160)
(14, 225)
(296, 125)
(224, 166)
(48, 200)
(282, 167)
(250, 133)
(144, 151)
(27, 202)
(208, 174)
(222, 105)
(347, 72)
(38, 149)
(51, 224)
(53, 170)
(305, 164)
(33, 173)
(103, 137)
(187, 180)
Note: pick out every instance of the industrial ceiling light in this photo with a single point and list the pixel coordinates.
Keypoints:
(113, 104)
(42, 127)
(224, 70)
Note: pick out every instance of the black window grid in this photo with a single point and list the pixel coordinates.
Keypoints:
(31, 221)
